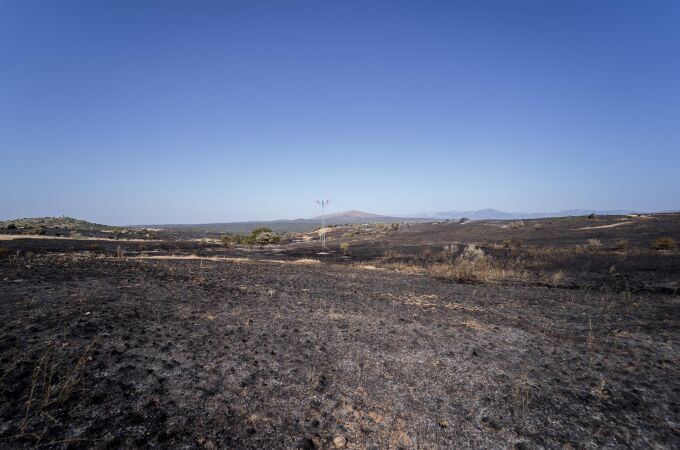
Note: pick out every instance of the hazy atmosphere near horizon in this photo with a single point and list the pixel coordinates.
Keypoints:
(181, 112)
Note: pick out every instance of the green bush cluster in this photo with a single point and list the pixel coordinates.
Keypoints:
(261, 236)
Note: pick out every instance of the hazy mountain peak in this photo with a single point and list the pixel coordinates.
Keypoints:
(353, 214)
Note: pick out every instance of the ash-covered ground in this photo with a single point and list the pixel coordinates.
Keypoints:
(553, 336)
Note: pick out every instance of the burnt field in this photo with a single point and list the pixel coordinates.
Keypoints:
(551, 333)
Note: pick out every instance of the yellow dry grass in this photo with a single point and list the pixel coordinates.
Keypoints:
(12, 237)
(303, 261)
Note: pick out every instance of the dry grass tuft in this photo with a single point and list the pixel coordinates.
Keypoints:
(594, 244)
(664, 243)
(521, 394)
(53, 381)
(474, 266)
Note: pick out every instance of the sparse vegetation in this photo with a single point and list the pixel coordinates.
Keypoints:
(472, 265)
(266, 238)
(521, 394)
(664, 243)
(229, 240)
(344, 247)
(53, 381)
(260, 236)
(622, 244)
(594, 244)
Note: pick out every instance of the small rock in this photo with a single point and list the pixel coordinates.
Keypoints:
(444, 423)
(339, 441)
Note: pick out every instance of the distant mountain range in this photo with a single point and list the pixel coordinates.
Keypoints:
(347, 217)
(494, 214)
(358, 217)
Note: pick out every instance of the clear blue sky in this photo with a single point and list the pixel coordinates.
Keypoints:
(156, 112)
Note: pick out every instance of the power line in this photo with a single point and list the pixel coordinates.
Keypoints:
(323, 204)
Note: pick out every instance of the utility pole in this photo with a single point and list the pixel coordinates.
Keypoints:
(323, 204)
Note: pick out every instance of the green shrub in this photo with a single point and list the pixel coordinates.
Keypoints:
(259, 230)
(11, 226)
(261, 236)
(266, 237)
(664, 243)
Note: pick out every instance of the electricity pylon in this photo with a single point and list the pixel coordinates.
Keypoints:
(323, 204)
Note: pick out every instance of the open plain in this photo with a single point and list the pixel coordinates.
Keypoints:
(550, 333)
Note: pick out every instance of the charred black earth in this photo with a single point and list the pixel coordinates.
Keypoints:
(554, 333)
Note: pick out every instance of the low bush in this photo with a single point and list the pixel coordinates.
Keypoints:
(4, 252)
(261, 236)
(664, 243)
(267, 237)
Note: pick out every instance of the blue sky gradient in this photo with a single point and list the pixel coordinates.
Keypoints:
(127, 112)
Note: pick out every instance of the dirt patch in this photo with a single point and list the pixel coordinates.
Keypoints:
(601, 227)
